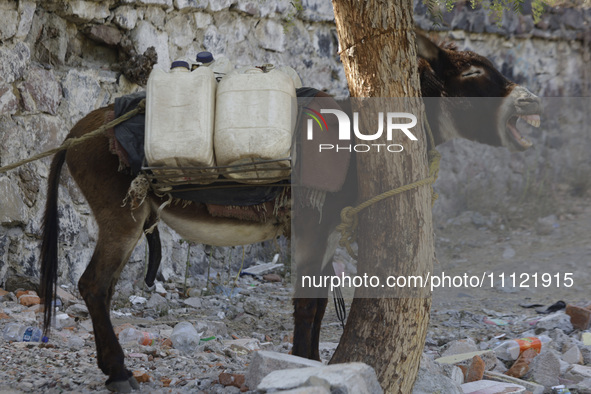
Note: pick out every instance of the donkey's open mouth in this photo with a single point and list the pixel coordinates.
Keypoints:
(521, 104)
(521, 142)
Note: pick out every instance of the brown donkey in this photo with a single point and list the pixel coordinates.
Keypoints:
(444, 72)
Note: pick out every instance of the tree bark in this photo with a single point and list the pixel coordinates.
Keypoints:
(395, 235)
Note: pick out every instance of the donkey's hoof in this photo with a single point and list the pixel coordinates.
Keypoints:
(123, 386)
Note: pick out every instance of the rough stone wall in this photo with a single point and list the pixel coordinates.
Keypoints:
(61, 59)
(551, 58)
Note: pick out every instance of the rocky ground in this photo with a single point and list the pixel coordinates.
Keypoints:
(250, 313)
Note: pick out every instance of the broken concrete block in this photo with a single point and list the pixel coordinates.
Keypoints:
(573, 356)
(545, 369)
(492, 387)
(343, 378)
(556, 320)
(499, 377)
(432, 378)
(264, 362)
(578, 373)
(460, 346)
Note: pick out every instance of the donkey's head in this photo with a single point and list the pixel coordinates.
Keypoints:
(473, 99)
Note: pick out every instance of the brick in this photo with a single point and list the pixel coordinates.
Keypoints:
(475, 370)
(28, 298)
(521, 365)
(580, 317)
(141, 376)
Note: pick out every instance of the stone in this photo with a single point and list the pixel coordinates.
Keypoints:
(272, 278)
(13, 210)
(460, 346)
(219, 5)
(578, 373)
(454, 373)
(243, 345)
(254, 307)
(269, 35)
(26, 11)
(545, 369)
(179, 34)
(105, 34)
(499, 377)
(431, 378)
(573, 355)
(88, 10)
(8, 24)
(77, 310)
(194, 302)
(585, 337)
(40, 91)
(556, 320)
(8, 101)
(308, 390)
(227, 379)
(343, 378)
(125, 17)
(264, 362)
(13, 62)
(256, 8)
(262, 269)
(162, 3)
(202, 20)
(475, 371)
(492, 387)
(81, 92)
(145, 35)
(580, 317)
(157, 302)
(189, 5)
(317, 11)
(212, 329)
(65, 296)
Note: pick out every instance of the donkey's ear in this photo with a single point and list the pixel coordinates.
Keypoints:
(427, 49)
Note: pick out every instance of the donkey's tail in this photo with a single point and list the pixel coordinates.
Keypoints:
(49, 245)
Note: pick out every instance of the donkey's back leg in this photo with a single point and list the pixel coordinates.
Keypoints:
(118, 235)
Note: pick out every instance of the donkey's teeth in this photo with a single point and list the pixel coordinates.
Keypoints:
(533, 120)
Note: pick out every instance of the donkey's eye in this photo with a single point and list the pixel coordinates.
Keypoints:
(471, 72)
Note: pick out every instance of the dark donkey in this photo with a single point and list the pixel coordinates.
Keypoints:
(444, 72)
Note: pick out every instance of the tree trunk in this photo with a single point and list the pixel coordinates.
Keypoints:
(395, 235)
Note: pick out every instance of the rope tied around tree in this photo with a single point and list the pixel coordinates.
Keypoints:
(71, 142)
(349, 215)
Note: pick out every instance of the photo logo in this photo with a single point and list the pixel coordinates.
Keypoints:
(392, 126)
(318, 118)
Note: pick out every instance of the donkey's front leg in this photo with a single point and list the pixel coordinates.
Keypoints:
(115, 244)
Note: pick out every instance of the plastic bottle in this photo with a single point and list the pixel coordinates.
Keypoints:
(20, 333)
(185, 337)
(510, 350)
(142, 337)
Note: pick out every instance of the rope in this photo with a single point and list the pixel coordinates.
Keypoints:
(349, 219)
(339, 305)
(70, 142)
